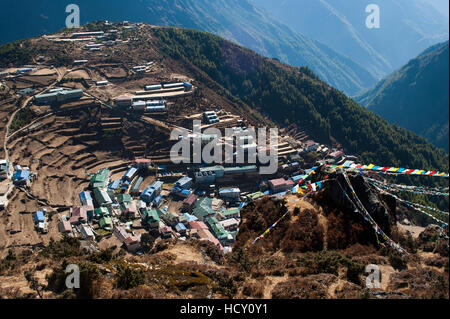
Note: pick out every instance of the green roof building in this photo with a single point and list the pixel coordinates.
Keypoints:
(105, 223)
(102, 197)
(240, 169)
(219, 231)
(231, 213)
(203, 208)
(124, 198)
(151, 217)
(100, 212)
(100, 179)
(211, 220)
(255, 196)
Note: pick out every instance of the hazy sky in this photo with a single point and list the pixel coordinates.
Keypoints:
(440, 5)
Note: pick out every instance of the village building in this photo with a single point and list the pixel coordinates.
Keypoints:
(105, 223)
(210, 117)
(230, 213)
(230, 193)
(87, 232)
(207, 175)
(100, 179)
(102, 197)
(65, 227)
(86, 199)
(205, 234)
(132, 244)
(130, 174)
(180, 228)
(101, 212)
(78, 215)
(135, 189)
(58, 96)
(310, 146)
(142, 163)
(239, 170)
(39, 216)
(166, 232)
(152, 192)
(184, 183)
(203, 208)
(229, 224)
(120, 233)
(4, 169)
(280, 185)
(151, 218)
(255, 196)
(114, 185)
(336, 156)
(198, 225)
(21, 178)
(189, 217)
(217, 229)
(123, 101)
(189, 203)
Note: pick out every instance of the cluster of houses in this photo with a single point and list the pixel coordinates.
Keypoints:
(147, 101)
(120, 207)
(117, 207)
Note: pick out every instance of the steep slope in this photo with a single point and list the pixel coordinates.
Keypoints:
(236, 20)
(290, 95)
(416, 96)
(407, 27)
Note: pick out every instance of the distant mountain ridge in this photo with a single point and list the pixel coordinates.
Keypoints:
(236, 20)
(416, 96)
(407, 27)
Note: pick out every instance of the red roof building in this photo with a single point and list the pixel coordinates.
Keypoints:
(198, 225)
(78, 215)
(132, 243)
(205, 234)
(189, 202)
(280, 185)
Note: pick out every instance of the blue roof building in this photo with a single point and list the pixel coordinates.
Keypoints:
(21, 177)
(130, 174)
(39, 216)
(230, 193)
(86, 199)
(114, 185)
(184, 182)
(180, 227)
(151, 192)
(298, 177)
(190, 218)
(157, 200)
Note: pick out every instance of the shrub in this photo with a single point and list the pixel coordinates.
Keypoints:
(354, 270)
(305, 234)
(103, 256)
(398, 261)
(253, 289)
(89, 275)
(322, 262)
(128, 277)
(147, 242)
(66, 247)
(212, 251)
